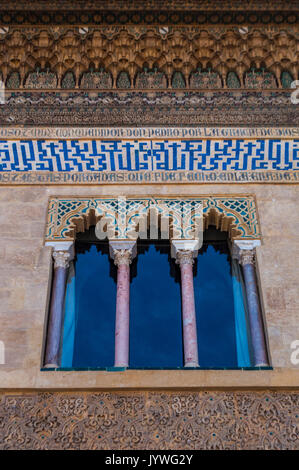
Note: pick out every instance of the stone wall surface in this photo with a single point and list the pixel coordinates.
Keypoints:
(25, 278)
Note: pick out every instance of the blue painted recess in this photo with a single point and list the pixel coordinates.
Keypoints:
(95, 309)
(155, 309)
(220, 310)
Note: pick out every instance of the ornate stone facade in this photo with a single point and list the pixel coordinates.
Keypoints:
(145, 63)
(150, 420)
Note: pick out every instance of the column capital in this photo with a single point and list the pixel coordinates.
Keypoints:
(183, 246)
(184, 257)
(68, 247)
(247, 257)
(63, 253)
(122, 257)
(61, 259)
(244, 250)
(247, 244)
(122, 251)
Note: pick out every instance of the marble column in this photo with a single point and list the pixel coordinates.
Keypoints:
(55, 321)
(122, 252)
(259, 348)
(185, 259)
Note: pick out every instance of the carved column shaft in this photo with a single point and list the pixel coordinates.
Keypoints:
(260, 357)
(61, 263)
(185, 260)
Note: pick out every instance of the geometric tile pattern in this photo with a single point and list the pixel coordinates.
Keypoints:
(158, 420)
(69, 215)
(149, 155)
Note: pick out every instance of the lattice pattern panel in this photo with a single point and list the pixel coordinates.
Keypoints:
(66, 216)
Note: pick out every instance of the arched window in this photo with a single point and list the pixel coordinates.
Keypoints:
(152, 303)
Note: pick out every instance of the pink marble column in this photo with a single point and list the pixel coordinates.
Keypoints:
(185, 259)
(122, 260)
(122, 252)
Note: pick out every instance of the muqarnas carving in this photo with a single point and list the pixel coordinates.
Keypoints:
(148, 57)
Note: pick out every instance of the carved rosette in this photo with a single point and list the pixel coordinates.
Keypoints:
(247, 257)
(122, 257)
(184, 257)
(61, 259)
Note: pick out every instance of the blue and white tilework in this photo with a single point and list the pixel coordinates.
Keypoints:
(149, 155)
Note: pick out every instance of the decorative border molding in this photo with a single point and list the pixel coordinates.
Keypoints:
(149, 108)
(68, 216)
(37, 178)
(150, 420)
(172, 5)
(162, 17)
(140, 132)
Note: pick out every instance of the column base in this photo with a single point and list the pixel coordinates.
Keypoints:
(50, 366)
(121, 365)
(191, 364)
(261, 365)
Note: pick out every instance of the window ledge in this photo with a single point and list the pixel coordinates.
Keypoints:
(123, 369)
(130, 379)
